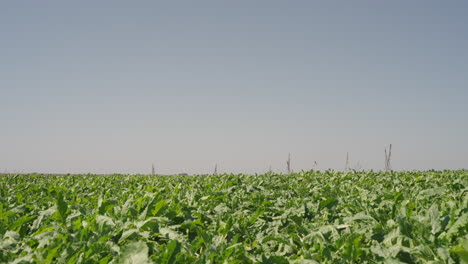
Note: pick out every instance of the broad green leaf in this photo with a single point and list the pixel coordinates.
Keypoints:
(462, 251)
(159, 207)
(62, 206)
(462, 222)
(134, 253)
(172, 249)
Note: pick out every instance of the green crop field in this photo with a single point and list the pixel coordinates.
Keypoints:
(306, 217)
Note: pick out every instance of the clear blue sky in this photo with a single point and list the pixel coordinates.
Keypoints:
(114, 86)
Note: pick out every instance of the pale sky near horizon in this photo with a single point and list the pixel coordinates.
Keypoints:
(115, 86)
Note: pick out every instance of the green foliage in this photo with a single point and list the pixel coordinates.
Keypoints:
(306, 217)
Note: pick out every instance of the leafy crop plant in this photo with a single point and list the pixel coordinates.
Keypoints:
(305, 217)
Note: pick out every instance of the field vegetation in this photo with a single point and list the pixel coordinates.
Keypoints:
(305, 217)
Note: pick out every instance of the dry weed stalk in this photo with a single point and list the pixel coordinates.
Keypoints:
(288, 164)
(347, 162)
(388, 156)
(315, 167)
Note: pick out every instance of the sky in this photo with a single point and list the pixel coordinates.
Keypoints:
(116, 86)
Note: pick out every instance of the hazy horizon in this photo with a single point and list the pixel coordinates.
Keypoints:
(116, 86)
